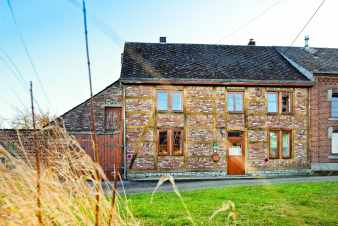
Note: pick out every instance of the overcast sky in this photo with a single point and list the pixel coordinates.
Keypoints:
(53, 32)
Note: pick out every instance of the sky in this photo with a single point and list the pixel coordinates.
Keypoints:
(54, 36)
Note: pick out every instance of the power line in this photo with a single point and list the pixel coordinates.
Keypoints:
(23, 42)
(241, 27)
(101, 25)
(18, 75)
(305, 25)
(16, 72)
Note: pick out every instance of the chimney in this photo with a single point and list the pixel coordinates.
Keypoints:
(163, 39)
(306, 40)
(252, 42)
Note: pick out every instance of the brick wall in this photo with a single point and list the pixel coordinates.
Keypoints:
(20, 143)
(78, 118)
(206, 121)
(320, 143)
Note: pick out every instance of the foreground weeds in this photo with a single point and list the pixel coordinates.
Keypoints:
(68, 186)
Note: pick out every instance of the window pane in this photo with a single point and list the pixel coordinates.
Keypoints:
(230, 102)
(272, 102)
(162, 101)
(238, 102)
(111, 118)
(177, 142)
(334, 105)
(177, 101)
(286, 145)
(334, 149)
(273, 145)
(286, 103)
(163, 142)
(235, 102)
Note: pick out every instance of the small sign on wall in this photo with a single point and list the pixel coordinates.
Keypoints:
(235, 151)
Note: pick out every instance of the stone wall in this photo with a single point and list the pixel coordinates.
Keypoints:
(321, 120)
(206, 121)
(78, 118)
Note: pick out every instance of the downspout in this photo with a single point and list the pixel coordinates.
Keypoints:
(124, 134)
(309, 133)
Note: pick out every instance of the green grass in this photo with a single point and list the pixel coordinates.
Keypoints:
(283, 204)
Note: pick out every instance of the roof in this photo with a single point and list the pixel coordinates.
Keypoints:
(204, 62)
(315, 60)
(116, 83)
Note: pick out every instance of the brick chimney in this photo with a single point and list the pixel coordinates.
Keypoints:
(163, 39)
(252, 42)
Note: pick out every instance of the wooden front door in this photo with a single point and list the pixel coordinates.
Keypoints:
(236, 153)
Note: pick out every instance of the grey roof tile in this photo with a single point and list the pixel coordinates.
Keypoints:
(316, 60)
(158, 61)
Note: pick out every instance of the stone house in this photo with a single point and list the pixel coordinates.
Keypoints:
(215, 110)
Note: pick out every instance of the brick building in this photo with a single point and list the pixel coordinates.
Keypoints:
(109, 126)
(321, 65)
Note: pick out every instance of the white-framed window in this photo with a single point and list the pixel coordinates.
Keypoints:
(334, 105)
(235, 102)
(272, 102)
(170, 100)
(162, 101)
(279, 102)
(334, 142)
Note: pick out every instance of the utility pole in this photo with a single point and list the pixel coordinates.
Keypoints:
(92, 121)
(37, 160)
(32, 104)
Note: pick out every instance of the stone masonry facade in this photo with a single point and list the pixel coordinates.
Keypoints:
(78, 118)
(205, 122)
(322, 121)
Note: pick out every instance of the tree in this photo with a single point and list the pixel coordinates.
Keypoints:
(23, 120)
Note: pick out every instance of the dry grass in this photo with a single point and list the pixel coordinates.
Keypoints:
(62, 188)
(66, 197)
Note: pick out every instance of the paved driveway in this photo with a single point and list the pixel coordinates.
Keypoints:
(148, 186)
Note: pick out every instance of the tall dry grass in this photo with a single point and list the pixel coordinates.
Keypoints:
(68, 182)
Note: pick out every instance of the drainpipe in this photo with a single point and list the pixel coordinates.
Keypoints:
(124, 134)
(309, 133)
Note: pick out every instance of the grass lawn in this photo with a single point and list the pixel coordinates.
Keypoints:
(283, 204)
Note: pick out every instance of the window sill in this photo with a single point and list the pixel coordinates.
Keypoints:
(164, 112)
(333, 156)
(333, 119)
(162, 155)
(286, 113)
(279, 113)
(235, 112)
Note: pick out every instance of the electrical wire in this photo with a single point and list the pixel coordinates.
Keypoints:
(241, 27)
(101, 25)
(305, 25)
(17, 75)
(23, 42)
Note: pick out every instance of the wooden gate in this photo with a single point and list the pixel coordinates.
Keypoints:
(110, 151)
